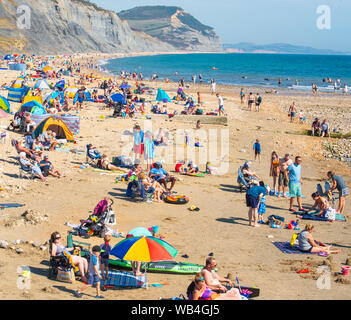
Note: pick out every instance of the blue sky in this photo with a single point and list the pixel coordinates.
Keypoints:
(263, 21)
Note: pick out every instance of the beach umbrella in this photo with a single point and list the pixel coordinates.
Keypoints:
(119, 98)
(144, 249)
(139, 232)
(125, 86)
(4, 104)
(47, 68)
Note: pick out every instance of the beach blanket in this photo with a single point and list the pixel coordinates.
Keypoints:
(312, 215)
(10, 205)
(124, 279)
(108, 171)
(286, 248)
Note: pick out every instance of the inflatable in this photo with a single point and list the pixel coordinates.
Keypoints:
(177, 199)
(193, 174)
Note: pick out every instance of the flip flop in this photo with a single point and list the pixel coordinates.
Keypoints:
(292, 210)
(185, 256)
(194, 208)
(303, 271)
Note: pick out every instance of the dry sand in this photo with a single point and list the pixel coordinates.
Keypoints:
(220, 226)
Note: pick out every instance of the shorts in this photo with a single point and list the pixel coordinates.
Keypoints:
(251, 201)
(150, 190)
(344, 192)
(282, 181)
(93, 279)
(295, 189)
(262, 208)
(104, 262)
(257, 152)
(80, 100)
(292, 114)
(306, 251)
(221, 108)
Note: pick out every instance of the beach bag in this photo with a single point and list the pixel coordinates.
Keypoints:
(65, 275)
(275, 221)
(122, 161)
(199, 112)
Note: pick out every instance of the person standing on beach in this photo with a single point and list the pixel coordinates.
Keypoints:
(251, 101)
(213, 86)
(220, 105)
(292, 112)
(200, 78)
(182, 82)
(257, 149)
(295, 181)
(253, 198)
(242, 96)
(258, 102)
(283, 178)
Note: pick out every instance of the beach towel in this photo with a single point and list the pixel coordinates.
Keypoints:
(124, 279)
(312, 215)
(10, 205)
(286, 248)
(271, 193)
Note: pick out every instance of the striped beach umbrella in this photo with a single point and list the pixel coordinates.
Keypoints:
(144, 249)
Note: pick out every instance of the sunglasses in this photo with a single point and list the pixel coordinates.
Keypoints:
(57, 238)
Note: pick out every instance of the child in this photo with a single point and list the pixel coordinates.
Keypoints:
(301, 117)
(180, 167)
(210, 168)
(187, 138)
(262, 206)
(192, 168)
(257, 149)
(104, 256)
(94, 274)
(93, 152)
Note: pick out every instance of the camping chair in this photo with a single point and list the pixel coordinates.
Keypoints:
(89, 159)
(241, 180)
(57, 262)
(25, 172)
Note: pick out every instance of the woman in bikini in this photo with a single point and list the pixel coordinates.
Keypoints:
(37, 148)
(274, 170)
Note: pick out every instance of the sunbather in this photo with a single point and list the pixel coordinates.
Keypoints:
(37, 148)
(106, 164)
(48, 169)
(202, 291)
(307, 243)
(322, 204)
(58, 248)
(19, 148)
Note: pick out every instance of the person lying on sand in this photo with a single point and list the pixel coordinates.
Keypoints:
(308, 245)
(105, 163)
(199, 290)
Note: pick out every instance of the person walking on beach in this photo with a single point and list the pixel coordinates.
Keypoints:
(253, 198)
(257, 149)
(295, 182)
(200, 78)
(213, 86)
(258, 102)
(251, 101)
(274, 170)
(292, 112)
(242, 96)
(220, 105)
(182, 82)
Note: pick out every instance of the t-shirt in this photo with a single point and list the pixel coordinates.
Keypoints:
(105, 250)
(340, 182)
(257, 147)
(294, 173)
(25, 164)
(177, 167)
(255, 191)
(220, 101)
(162, 172)
(45, 164)
(325, 126)
(93, 262)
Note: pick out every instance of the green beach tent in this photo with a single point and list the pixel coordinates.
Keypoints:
(4, 104)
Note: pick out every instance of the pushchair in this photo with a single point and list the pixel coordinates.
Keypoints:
(117, 109)
(98, 223)
(18, 123)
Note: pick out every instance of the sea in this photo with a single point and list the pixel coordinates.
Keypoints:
(297, 72)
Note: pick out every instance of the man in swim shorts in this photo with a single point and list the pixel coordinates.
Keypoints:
(283, 177)
(220, 104)
(292, 112)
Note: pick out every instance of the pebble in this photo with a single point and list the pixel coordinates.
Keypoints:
(4, 244)
(43, 248)
(242, 150)
(339, 150)
(19, 250)
(35, 244)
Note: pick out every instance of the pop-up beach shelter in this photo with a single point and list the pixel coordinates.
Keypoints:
(56, 125)
(42, 85)
(16, 94)
(162, 96)
(4, 104)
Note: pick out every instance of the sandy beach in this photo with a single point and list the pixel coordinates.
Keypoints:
(221, 225)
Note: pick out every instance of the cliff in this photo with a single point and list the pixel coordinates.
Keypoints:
(174, 26)
(71, 26)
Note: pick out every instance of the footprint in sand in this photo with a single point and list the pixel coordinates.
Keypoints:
(170, 219)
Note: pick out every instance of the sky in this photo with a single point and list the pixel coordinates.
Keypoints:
(263, 21)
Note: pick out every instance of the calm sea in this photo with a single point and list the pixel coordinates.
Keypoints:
(242, 69)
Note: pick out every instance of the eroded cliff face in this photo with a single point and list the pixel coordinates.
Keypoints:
(68, 26)
(174, 26)
(71, 26)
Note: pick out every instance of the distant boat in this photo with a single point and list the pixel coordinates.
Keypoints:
(214, 68)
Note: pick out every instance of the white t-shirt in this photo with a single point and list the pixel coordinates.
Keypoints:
(220, 101)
